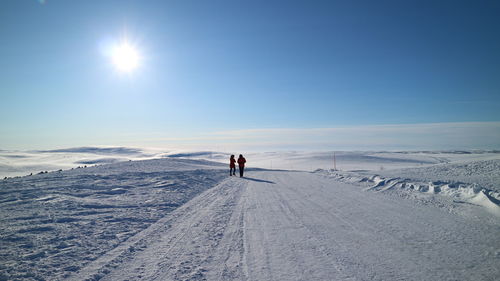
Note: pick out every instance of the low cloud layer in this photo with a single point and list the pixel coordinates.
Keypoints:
(432, 136)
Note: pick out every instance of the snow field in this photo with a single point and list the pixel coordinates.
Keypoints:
(279, 225)
(21, 163)
(55, 223)
(425, 216)
(187, 245)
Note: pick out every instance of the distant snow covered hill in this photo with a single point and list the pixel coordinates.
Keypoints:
(53, 224)
(21, 163)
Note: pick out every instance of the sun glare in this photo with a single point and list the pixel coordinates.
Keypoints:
(125, 57)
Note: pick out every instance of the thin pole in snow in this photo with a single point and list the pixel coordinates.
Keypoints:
(334, 162)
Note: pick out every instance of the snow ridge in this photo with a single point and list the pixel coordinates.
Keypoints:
(463, 192)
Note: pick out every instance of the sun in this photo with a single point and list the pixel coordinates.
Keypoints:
(125, 57)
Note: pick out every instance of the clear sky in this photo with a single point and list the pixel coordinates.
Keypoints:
(212, 68)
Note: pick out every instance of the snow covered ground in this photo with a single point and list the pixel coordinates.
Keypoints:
(279, 225)
(52, 224)
(383, 216)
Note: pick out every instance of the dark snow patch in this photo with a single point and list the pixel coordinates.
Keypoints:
(190, 154)
(100, 161)
(15, 156)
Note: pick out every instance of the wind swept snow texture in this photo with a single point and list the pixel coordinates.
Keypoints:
(282, 225)
(485, 173)
(185, 219)
(473, 182)
(53, 224)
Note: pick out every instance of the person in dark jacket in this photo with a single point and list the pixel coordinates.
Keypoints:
(232, 166)
(241, 164)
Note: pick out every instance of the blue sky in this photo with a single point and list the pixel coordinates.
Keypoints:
(224, 66)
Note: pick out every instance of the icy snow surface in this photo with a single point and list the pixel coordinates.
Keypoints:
(384, 216)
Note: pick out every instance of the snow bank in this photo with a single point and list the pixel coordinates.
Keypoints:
(469, 192)
(485, 173)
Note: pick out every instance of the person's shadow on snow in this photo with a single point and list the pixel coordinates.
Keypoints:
(258, 180)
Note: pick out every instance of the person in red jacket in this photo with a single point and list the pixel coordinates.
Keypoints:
(241, 164)
(232, 166)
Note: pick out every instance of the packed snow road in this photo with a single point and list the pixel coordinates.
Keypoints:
(277, 225)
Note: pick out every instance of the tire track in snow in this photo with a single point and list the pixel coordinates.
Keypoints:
(281, 245)
(177, 247)
(301, 226)
(369, 236)
(229, 258)
(300, 204)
